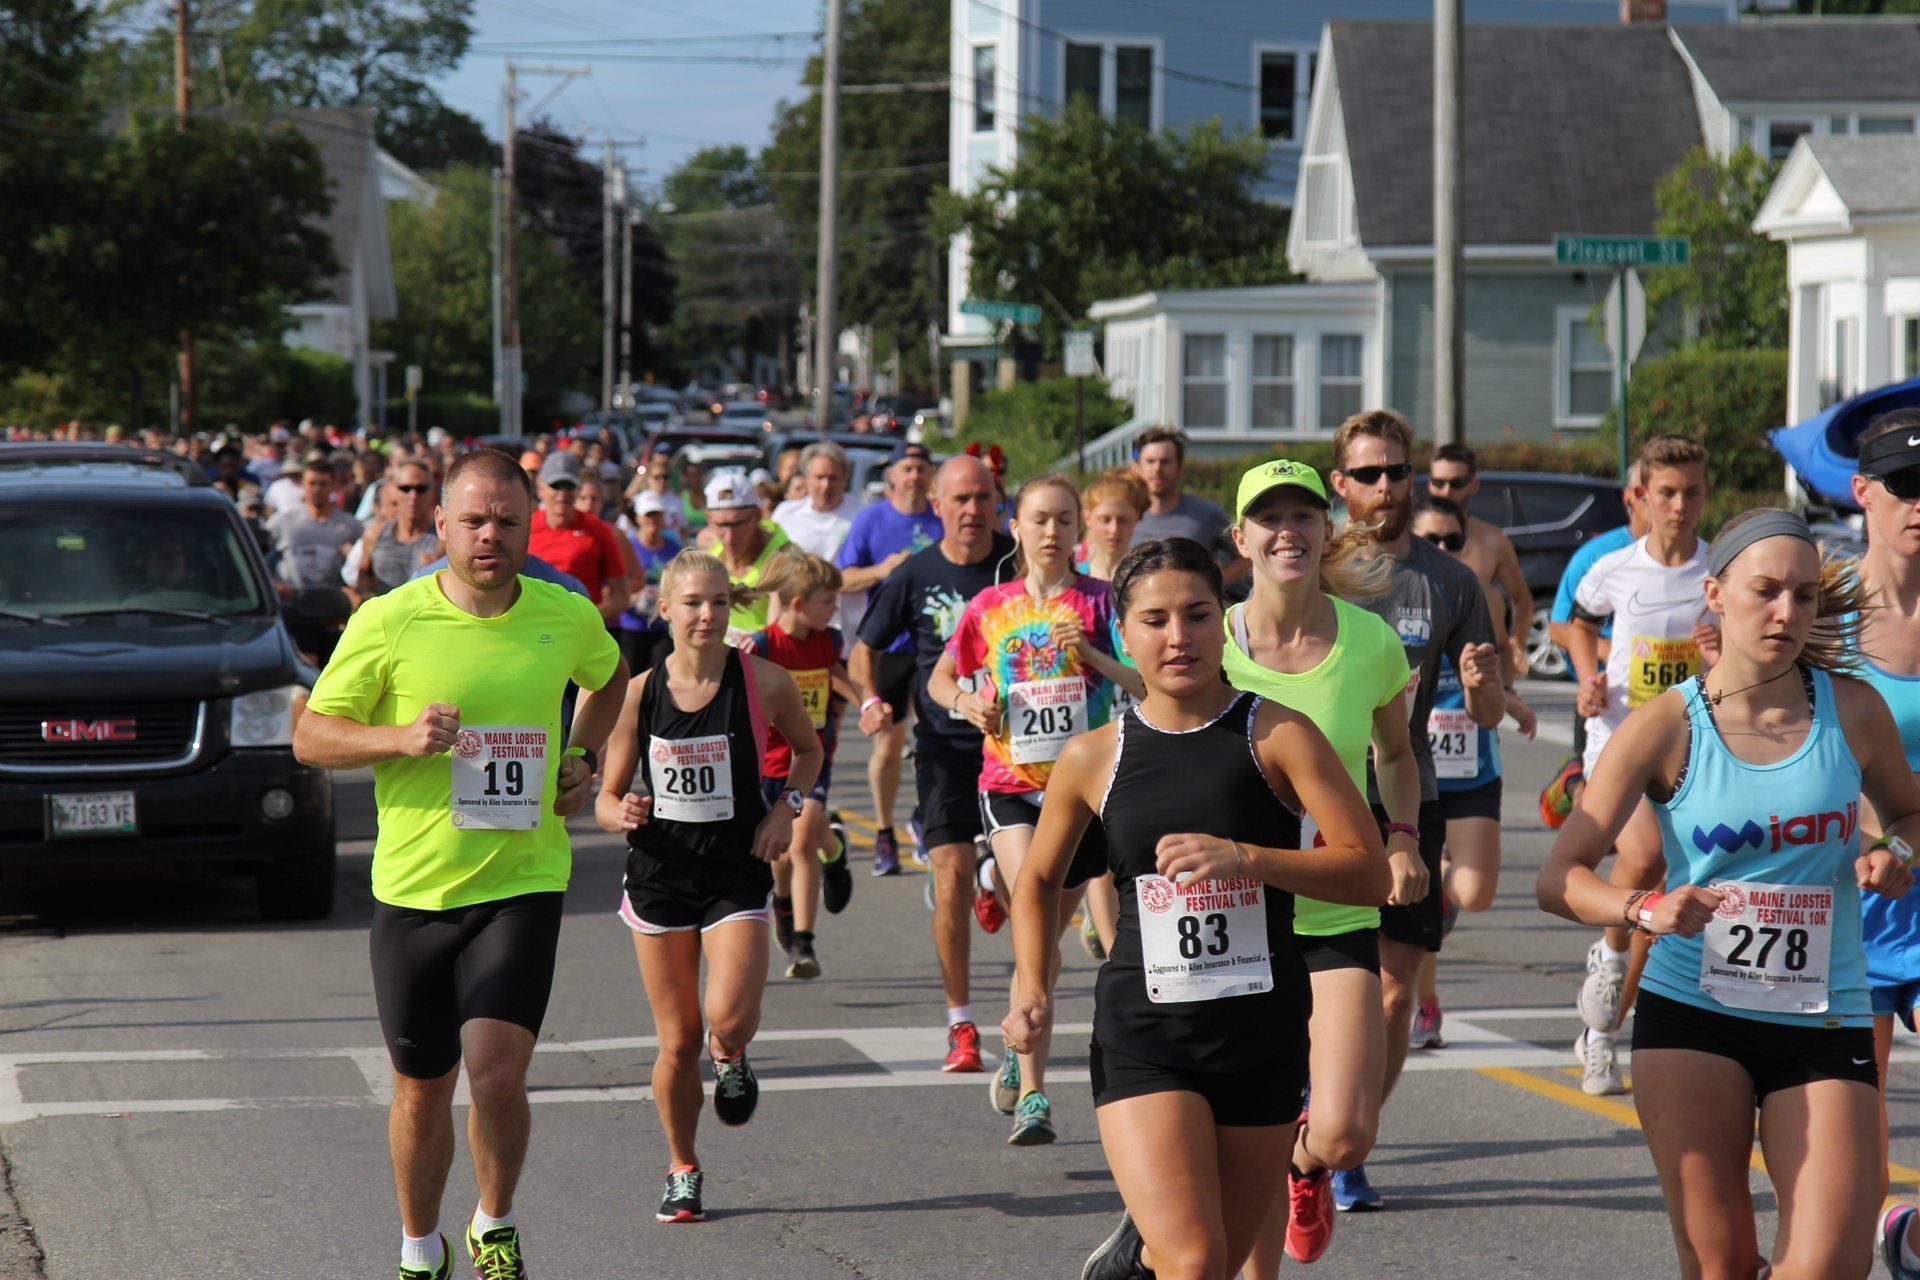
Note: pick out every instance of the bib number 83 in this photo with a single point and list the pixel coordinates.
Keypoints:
(1794, 958)
(1191, 944)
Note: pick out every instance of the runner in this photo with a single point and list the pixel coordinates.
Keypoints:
(925, 597)
(642, 630)
(804, 642)
(883, 535)
(395, 545)
(1198, 1069)
(744, 540)
(1454, 474)
(449, 686)
(576, 541)
(1297, 642)
(1756, 995)
(1038, 657)
(1160, 460)
(1652, 591)
(1436, 607)
(699, 845)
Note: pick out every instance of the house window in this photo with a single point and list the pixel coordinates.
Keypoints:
(1885, 124)
(1083, 73)
(1203, 389)
(1133, 85)
(1116, 78)
(1276, 96)
(1909, 346)
(1843, 353)
(1340, 378)
(1586, 370)
(1273, 381)
(984, 57)
(1322, 197)
(1782, 134)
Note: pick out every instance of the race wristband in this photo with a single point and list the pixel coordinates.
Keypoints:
(1645, 913)
(1401, 828)
(876, 698)
(1896, 846)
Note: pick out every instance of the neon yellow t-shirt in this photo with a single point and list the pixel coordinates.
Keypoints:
(1363, 671)
(412, 647)
(745, 619)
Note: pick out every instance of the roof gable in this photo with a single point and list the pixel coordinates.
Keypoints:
(1830, 184)
(1823, 61)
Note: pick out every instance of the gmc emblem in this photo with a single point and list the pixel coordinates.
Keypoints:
(78, 731)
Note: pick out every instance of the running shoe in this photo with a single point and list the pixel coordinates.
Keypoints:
(1005, 1089)
(1888, 1238)
(1118, 1257)
(918, 854)
(1599, 1002)
(963, 1048)
(1033, 1122)
(987, 909)
(1090, 937)
(926, 890)
(783, 926)
(836, 878)
(496, 1254)
(681, 1203)
(1556, 798)
(1599, 1064)
(801, 962)
(444, 1270)
(1309, 1215)
(1352, 1193)
(1426, 1026)
(736, 1090)
(886, 853)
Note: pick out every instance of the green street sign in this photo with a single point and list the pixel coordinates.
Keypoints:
(1018, 312)
(1621, 251)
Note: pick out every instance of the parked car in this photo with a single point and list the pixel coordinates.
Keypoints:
(892, 415)
(153, 680)
(749, 415)
(853, 442)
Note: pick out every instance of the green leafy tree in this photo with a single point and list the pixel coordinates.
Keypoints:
(1735, 283)
(891, 269)
(1096, 207)
(737, 292)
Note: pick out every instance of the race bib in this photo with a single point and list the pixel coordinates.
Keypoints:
(647, 603)
(692, 778)
(1658, 665)
(815, 688)
(499, 774)
(1768, 947)
(1455, 742)
(737, 636)
(1207, 941)
(1042, 715)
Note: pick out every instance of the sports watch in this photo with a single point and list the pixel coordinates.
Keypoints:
(795, 800)
(1896, 846)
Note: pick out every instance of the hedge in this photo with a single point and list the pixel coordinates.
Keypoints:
(1033, 422)
(1728, 400)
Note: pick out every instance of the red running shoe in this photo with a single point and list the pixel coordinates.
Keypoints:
(1309, 1215)
(988, 911)
(963, 1048)
(1556, 798)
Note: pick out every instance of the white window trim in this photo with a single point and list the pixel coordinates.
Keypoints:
(1337, 164)
(1564, 319)
(1109, 80)
(1321, 379)
(1224, 381)
(973, 85)
(1291, 378)
(1303, 55)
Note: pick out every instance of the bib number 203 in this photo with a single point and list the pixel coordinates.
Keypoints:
(1794, 958)
(1191, 942)
(1046, 722)
(511, 773)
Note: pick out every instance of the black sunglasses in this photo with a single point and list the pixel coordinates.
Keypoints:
(564, 486)
(1440, 482)
(1447, 541)
(1396, 473)
(414, 488)
(1903, 484)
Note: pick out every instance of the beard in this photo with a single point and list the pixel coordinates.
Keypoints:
(1392, 516)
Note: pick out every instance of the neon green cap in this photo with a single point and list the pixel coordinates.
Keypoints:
(1276, 474)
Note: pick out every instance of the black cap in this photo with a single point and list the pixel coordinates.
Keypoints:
(1897, 450)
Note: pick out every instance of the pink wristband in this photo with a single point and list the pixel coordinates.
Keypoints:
(1645, 913)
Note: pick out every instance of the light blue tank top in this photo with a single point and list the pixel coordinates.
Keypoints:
(1449, 695)
(1891, 926)
(1794, 824)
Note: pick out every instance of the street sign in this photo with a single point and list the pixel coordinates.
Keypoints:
(1636, 313)
(1078, 350)
(1018, 312)
(1621, 251)
(414, 383)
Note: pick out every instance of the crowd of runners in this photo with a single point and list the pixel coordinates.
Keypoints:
(1253, 753)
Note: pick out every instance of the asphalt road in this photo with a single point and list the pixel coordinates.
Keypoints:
(185, 1091)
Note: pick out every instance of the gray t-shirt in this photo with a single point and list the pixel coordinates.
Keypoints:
(1435, 605)
(394, 561)
(311, 551)
(1193, 517)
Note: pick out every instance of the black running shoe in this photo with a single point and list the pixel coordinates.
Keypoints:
(736, 1090)
(836, 878)
(1119, 1257)
(681, 1203)
(783, 925)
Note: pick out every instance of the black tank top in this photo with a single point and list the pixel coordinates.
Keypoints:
(1205, 781)
(703, 770)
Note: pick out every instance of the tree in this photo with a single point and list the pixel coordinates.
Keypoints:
(893, 157)
(1096, 207)
(1735, 283)
(737, 292)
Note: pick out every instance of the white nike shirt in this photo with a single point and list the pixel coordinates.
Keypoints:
(1654, 607)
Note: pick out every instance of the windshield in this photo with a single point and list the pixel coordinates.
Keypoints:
(61, 560)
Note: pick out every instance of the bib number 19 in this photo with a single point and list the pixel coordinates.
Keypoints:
(511, 772)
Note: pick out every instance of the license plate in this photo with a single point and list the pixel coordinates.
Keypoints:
(103, 813)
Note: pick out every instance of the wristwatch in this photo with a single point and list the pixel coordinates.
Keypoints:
(593, 761)
(795, 800)
(1896, 846)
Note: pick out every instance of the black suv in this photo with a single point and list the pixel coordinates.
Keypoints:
(151, 683)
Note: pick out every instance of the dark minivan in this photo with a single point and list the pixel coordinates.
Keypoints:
(150, 681)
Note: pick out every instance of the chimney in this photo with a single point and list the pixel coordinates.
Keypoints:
(1636, 11)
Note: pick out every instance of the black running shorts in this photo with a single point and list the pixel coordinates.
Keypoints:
(949, 788)
(1482, 801)
(1774, 1055)
(665, 895)
(1270, 1095)
(1359, 949)
(1001, 810)
(434, 971)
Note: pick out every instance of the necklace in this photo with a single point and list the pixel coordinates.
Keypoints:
(1717, 698)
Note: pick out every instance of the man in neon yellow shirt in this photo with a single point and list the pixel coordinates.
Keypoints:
(450, 688)
(745, 540)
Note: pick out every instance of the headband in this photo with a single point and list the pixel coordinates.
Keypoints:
(1767, 524)
(1893, 451)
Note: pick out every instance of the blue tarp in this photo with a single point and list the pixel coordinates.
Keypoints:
(1823, 449)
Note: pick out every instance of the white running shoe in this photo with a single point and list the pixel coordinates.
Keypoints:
(1599, 1002)
(1600, 1065)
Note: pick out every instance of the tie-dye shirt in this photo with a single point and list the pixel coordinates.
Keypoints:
(1046, 696)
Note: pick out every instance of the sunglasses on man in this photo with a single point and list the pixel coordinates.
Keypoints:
(1447, 541)
(1448, 484)
(1396, 473)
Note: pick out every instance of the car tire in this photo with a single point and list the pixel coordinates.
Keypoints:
(1545, 659)
(300, 885)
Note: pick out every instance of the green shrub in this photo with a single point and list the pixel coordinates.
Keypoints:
(461, 414)
(1727, 400)
(1032, 422)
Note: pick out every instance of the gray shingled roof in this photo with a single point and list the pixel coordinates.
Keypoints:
(1567, 129)
(1872, 175)
(1829, 61)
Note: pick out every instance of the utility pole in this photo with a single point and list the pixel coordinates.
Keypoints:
(510, 416)
(499, 354)
(182, 105)
(626, 280)
(827, 298)
(606, 282)
(1449, 284)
